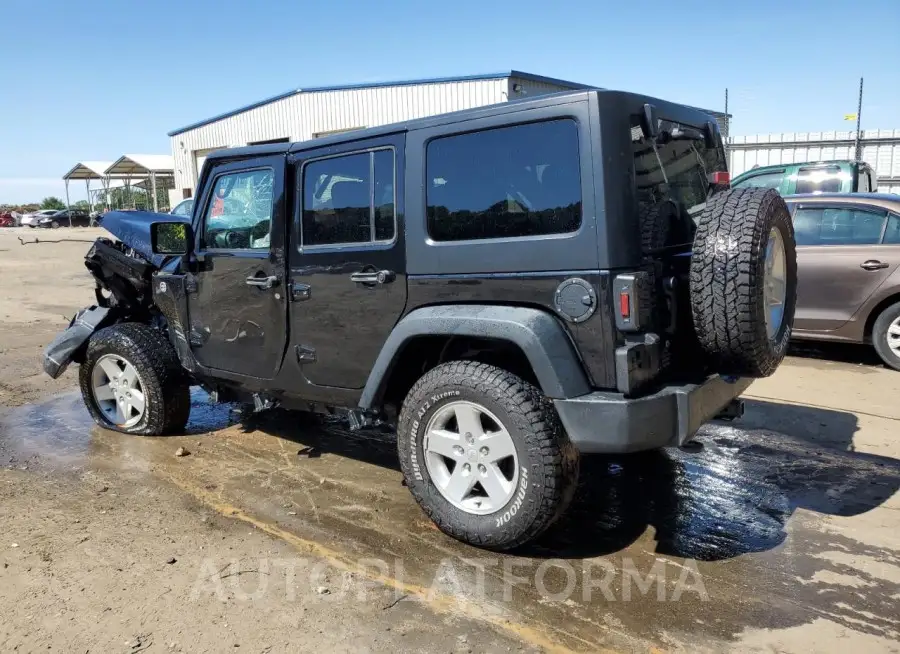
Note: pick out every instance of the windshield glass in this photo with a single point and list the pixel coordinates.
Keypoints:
(674, 166)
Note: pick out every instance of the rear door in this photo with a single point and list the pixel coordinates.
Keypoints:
(841, 261)
(347, 261)
(238, 312)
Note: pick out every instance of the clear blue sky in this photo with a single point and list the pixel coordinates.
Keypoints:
(95, 79)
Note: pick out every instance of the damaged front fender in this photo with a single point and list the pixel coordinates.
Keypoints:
(69, 345)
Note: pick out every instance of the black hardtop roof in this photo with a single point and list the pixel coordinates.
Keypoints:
(512, 106)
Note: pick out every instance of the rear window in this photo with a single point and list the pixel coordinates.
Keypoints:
(508, 182)
(823, 179)
(675, 166)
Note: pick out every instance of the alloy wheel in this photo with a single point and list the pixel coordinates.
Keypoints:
(471, 457)
(118, 390)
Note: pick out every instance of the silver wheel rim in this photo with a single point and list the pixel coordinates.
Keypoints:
(471, 458)
(118, 390)
(775, 284)
(893, 336)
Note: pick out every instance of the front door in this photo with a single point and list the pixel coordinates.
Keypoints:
(347, 263)
(841, 262)
(238, 311)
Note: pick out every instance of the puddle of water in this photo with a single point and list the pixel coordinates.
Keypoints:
(61, 433)
(730, 497)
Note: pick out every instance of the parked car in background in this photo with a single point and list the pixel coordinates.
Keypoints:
(848, 263)
(32, 219)
(7, 219)
(812, 177)
(183, 208)
(60, 218)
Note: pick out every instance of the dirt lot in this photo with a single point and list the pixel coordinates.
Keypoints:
(780, 532)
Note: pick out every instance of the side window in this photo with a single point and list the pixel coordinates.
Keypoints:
(822, 179)
(807, 226)
(507, 182)
(239, 213)
(838, 226)
(349, 199)
(892, 232)
(763, 180)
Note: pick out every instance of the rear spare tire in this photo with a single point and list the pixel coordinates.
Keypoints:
(744, 281)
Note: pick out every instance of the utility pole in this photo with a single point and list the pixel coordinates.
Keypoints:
(727, 119)
(858, 150)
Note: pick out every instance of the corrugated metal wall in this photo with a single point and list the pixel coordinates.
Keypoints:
(881, 150)
(301, 116)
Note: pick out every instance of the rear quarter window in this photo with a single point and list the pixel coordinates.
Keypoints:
(507, 182)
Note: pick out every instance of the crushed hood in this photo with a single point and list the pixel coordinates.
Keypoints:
(133, 229)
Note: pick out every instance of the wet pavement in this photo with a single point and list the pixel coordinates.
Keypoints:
(762, 524)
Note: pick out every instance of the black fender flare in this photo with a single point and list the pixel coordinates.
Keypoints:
(70, 344)
(537, 333)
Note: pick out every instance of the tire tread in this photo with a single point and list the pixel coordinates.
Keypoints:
(535, 417)
(166, 387)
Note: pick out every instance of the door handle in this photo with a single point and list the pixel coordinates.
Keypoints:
(300, 292)
(374, 277)
(873, 264)
(263, 282)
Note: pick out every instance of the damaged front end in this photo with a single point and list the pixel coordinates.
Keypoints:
(123, 276)
(123, 270)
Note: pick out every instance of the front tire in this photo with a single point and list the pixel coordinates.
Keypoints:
(484, 455)
(886, 336)
(131, 381)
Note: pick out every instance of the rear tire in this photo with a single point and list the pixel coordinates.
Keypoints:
(886, 343)
(135, 353)
(540, 472)
(741, 235)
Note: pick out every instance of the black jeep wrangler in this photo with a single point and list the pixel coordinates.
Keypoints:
(512, 286)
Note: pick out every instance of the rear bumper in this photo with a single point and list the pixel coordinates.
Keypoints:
(609, 422)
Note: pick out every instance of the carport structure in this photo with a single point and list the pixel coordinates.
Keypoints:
(88, 171)
(159, 169)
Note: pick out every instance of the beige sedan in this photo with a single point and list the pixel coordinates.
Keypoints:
(848, 268)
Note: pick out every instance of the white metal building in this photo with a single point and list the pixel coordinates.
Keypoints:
(304, 114)
(880, 149)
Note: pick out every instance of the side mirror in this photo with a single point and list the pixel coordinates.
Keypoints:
(171, 238)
